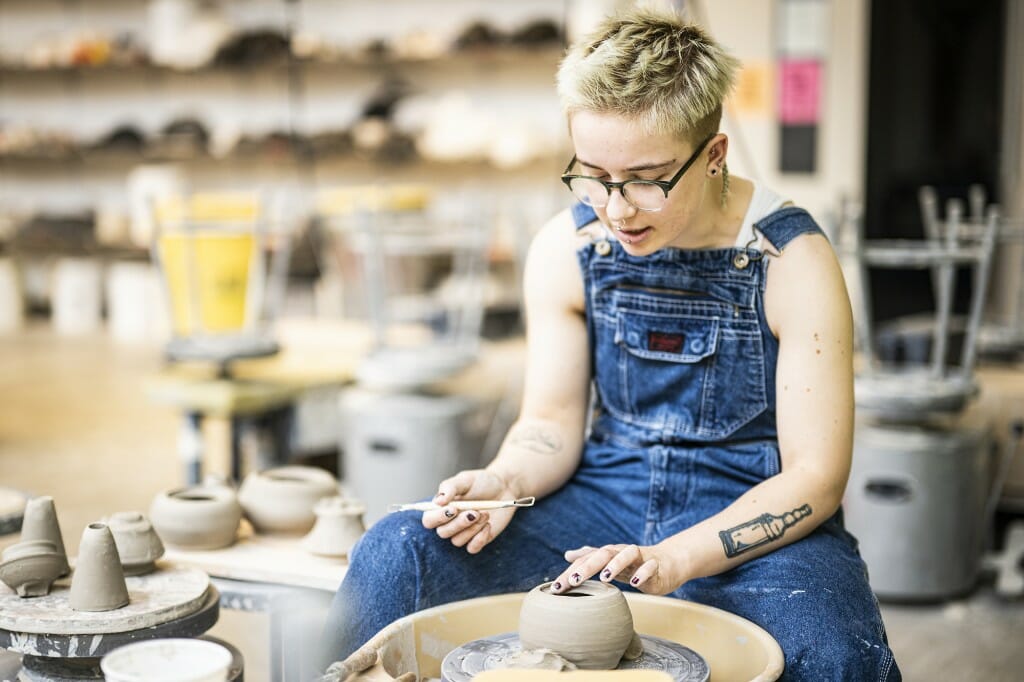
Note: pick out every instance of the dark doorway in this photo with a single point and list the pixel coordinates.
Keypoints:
(934, 104)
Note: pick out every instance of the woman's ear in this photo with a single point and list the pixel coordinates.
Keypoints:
(716, 151)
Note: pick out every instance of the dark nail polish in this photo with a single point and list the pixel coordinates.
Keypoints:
(556, 587)
(471, 516)
(607, 574)
(576, 578)
(449, 513)
(634, 580)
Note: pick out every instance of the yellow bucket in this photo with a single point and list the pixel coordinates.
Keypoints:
(208, 268)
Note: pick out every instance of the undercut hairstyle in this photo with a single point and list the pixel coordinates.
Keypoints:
(653, 67)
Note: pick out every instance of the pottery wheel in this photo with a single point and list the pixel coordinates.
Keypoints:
(159, 597)
(681, 663)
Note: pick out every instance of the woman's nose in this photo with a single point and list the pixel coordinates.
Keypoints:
(618, 209)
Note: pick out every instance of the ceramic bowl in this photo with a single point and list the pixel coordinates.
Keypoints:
(281, 500)
(200, 517)
(137, 542)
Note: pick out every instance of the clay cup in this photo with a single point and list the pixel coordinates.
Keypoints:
(590, 626)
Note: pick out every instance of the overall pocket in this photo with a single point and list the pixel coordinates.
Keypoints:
(696, 376)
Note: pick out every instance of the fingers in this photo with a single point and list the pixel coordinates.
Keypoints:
(462, 527)
(611, 562)
(453, 487)
(439, 517)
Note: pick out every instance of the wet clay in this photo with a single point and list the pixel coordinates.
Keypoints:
(591, 625)
(537, 659)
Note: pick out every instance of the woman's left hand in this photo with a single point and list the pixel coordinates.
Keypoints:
(645, 568)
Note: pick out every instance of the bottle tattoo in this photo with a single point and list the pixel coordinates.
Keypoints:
(759, 531)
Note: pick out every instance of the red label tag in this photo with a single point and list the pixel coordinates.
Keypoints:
(665, 343)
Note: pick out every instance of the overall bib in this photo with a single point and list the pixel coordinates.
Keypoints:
(683, 364)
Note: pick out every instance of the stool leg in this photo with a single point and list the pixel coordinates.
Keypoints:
(190, 447)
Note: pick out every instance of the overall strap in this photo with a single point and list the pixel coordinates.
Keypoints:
(582, 214)
(785, 225)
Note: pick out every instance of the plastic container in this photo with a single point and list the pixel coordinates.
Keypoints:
(167, 660)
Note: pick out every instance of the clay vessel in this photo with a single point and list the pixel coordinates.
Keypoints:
(98, 581)
(590, 626)
(281, 500)
(339, 525)
(200, 517)
(40, 523)
(30, 567)
(138, 545)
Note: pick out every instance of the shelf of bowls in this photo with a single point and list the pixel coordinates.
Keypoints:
(62, 616)
(223, 260)
(414, 266)
(924, 481)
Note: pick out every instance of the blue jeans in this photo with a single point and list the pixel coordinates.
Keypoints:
(812, 595)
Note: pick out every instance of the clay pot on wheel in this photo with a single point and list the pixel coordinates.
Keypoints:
(201, 517)
(31, 566)
(339, 525)
(590, 625)
(281, 500)
(138, 545)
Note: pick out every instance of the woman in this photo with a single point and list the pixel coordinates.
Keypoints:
(713, 321)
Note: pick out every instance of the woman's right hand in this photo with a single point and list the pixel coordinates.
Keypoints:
(472, 529)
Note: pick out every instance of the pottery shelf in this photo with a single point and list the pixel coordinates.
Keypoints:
(499, 56)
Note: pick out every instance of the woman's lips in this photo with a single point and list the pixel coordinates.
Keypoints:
(633, 236)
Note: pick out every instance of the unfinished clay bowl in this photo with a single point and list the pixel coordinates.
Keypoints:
(40, 523)
(281, 500)
(30, 567)
(339, 525)
(138, 544)
(98, 581)
(200, 517)
(590, 626)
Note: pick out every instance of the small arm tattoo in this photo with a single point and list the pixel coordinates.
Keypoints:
(760, 530)
(536, 438)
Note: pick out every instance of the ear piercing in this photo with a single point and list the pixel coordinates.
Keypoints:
(714, 171)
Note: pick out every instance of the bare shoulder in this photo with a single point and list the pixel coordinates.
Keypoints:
(805, 285)
(552, 272)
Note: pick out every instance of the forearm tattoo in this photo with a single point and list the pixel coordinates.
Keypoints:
(537, 439)
(760, 531)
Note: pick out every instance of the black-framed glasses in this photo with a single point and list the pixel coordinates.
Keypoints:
(643, 195)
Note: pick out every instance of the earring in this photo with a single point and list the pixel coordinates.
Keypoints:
(714, 171)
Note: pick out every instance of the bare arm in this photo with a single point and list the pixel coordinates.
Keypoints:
(808, 310)
(542, 449)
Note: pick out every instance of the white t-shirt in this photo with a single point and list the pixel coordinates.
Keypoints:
(763, 202)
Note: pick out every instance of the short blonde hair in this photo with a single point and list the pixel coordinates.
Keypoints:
(652, 66)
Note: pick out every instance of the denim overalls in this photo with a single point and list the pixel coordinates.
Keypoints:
(684, 423)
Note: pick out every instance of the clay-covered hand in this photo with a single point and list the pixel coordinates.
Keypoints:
(472, 529)
(645, 568)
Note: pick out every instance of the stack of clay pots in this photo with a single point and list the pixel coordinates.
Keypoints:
(30, 566)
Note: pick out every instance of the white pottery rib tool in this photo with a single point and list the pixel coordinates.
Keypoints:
(463, 505)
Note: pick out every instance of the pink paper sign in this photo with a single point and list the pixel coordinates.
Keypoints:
(799, 91)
